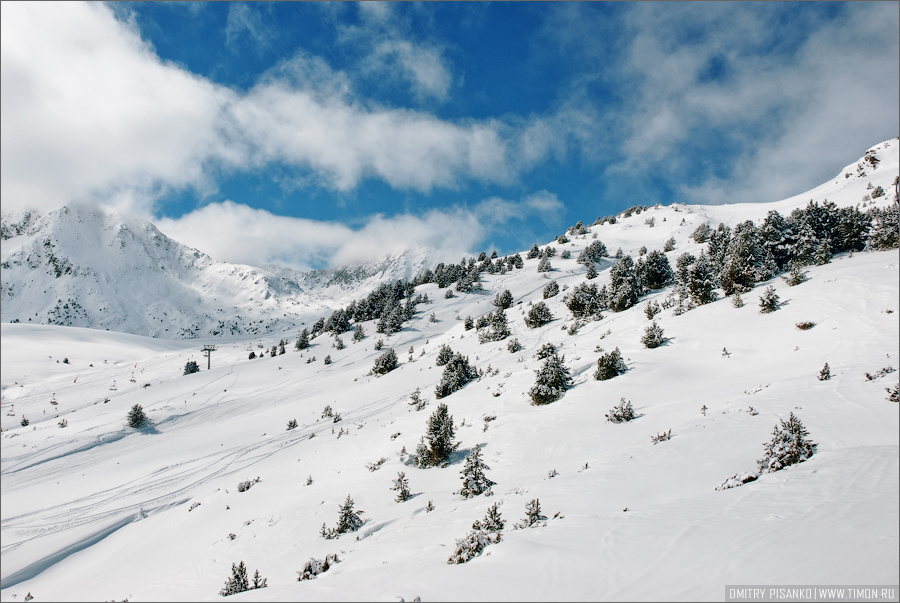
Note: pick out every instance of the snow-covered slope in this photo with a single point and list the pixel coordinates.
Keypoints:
(88, 267)
(98, 511)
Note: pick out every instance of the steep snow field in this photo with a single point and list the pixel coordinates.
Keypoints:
(99, 511)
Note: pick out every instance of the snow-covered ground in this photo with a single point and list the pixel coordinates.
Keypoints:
(99, 511)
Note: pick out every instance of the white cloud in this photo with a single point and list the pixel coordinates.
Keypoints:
(233, 232)
(244, 21)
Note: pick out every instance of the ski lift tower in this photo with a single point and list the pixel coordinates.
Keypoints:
(207, 351)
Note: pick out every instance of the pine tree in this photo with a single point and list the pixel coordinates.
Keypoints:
(825, 373)
(401, 485)
(591, 272)
(444, 355)
(533, 252)
(492, 524)
(610, 365)
(457, 373)
(437, 444)
(551, 290)
(622, 413)
(768, 301)
(238, 582)
(496, 327)
(258, 581)
(385, 363)
(136, 416)
(348, 520)
(538, 316)
(468, 323)
(503, 300)
(302, 340)
(624, 287)
(191, 367)
(790, 445)
(656, 272)
(533, 515)
(702, 284)
(358, 333)
(544, 265)
(552, 381)
(653, 336)
(475, 482)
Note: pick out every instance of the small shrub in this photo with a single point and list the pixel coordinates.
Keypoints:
(805, 326)
(533, 516)
(191, 367)
(327, 359)
(401, 485)
(314, 567)
(292, 424)
(652, 309)
(514, 346)
(825, 373)
(622, 413)
(661, 437)
(469, 547)
(538, 316)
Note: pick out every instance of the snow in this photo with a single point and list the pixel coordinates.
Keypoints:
(98, 511)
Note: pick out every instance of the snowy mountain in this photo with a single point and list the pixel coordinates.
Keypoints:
(251, 460)
(89, 267)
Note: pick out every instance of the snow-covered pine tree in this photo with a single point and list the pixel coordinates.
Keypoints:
(622, 413)
(544, 265)
(492, 524)
(624, 287)
(610, 365)
(538, 316)
(768, 301)
(551, 290)
(702, 283)
(457, 373)
(358, 332)
(436, 445)
(386, 362)
(191, 367)
(474, 480)
(238, 582)
(302, 340)
(401, 485)
(533, 515)
(552, 381)
(469, 547)
(653, 336)
(790, 445)
(503, 300)
(825, 373)
(591, 272)
(444, 355)
(136, 416)
(534, 252)
(348, 520)
(496, 328)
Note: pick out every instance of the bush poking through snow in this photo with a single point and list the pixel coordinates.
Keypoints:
(513, 346)
(244, 486)
(191, 367)
(825, 373)
(805, 326)
(136, 416)
(893, 394)
(314, 567)
(738, 479)
(790, 445)
(622, 413)
(661, 437)
(292, 424)
(469, 547)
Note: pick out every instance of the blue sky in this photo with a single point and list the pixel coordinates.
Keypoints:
(315, 134)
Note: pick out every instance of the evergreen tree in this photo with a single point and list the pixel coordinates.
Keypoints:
(401, 485)
(768, 301)
(444, 355)
(610, 365)
(252, 355)
(656, 272)
(349, 520)
(624, 288)
(468, 323)
(475, 482)
(385, 363)
(136, 416)
(670, 245)
(503, 300)
(551, 290)
(797, 275)
(552, 381)
(622, 413)
(327, 359)
(538, 316)
(701, 284)
(545, 351)
(492, 524)
(258, 581)
(358, 333)
(544, 265)
(790, 444)
(825, 373)
(653, 336)
(238, 583)
(496, 328)
(435, 447)
(191, 367)
(701, 233)
(533, 514)
(593, 253)
(302, 340)
(457, 373)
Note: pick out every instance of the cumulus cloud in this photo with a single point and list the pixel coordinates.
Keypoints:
(88, 109)
(233, 232)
